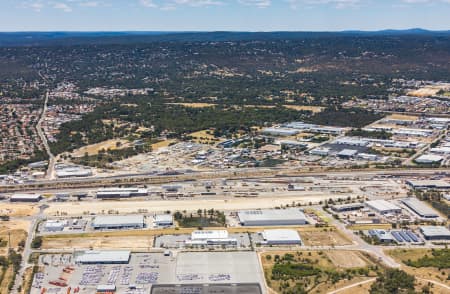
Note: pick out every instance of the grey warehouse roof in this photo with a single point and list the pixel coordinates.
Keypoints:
(420, 207)
(435, 231)
(271, 215)
(103, 256)
(117, 220)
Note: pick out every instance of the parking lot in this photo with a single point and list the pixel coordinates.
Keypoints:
(146, 269)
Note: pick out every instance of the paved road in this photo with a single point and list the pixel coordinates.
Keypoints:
(377, 251)
(51, 163)
(27, 251)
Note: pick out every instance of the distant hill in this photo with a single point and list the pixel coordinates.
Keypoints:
(80, 38)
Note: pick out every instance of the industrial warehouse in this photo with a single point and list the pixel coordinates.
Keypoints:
(26, 198)
(428, 184)
(420, 208)
(113, 193)
(118, 222)
(435, 233)
(281, 237)
(102, 257)
(383, 207)
(272, 217)
(211, 237)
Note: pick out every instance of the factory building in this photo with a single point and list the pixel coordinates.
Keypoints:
(435, 232)
(383, 206)
(108, 193)
(163, 220)
(429, 159)
(72, 172)
(272, 217)
(103, 257)
(26, 198)
(428, 184)
(347, 153)
(281, 237)
(118, 222)
(279, 132)
(210, 237)
(420, 208)
(321, 151)
(347, 207)
(55, 225)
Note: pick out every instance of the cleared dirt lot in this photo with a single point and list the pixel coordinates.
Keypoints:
(17, 209)
(130, 242)
(346, 259)
(324, 238)
(78, 208)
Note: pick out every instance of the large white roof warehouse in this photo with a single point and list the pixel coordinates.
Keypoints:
(281, 236)
(272, 217)
(383, 206)
(105, 257)
(118, 221)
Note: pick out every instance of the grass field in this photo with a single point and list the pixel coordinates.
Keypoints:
(93, 149)
(313, 109)
(431, 273)
(194, 105)
(313, 271)
(16, 209)
(7, 279)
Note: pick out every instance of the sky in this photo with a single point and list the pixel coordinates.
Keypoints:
(222, 15)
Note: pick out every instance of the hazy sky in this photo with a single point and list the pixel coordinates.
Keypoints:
(209, 15)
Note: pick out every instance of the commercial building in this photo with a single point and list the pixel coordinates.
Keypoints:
(420, 208)
(108, 193)
(383, 206)
(279, 132)
(382, 236)
(428, 159)
(435, 232)
(321, 151)
(347, 207)
(428, 184)
(118, 222)
(103, 257)
(272, 217)
(347, 153)
(163, 220)
(26, 198)
(281, 237)
(54, 225)
(210, 237)
(73, 172)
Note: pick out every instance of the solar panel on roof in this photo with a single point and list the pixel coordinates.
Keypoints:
(405, 236)
(412, 236)
(397, 236)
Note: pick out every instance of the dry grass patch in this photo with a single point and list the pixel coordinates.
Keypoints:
(313, 109)
(347, 259)
(324, 237)
(93, 149)
(17, 210)
(430, 273)
(194, 105)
